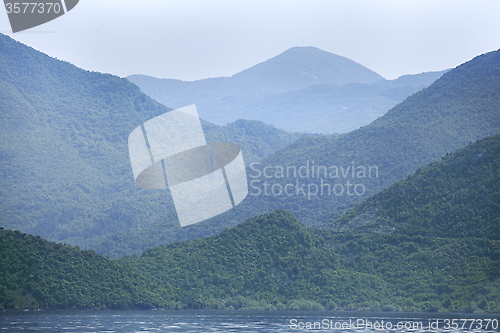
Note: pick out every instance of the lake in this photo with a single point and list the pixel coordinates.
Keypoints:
(240, 321)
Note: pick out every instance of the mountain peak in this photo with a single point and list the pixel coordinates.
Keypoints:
(299, 67)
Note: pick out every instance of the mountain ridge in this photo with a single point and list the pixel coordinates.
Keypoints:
(65, 172)
(423, 128)
(453, 197)
(292, 82)
(389, 271)
(273, 262)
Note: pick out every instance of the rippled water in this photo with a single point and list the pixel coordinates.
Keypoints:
(239, 321)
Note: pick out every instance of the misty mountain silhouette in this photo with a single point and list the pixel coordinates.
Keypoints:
(303, 89)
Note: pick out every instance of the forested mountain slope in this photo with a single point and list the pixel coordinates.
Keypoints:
(461, 107)
(273, 262)
(458, 196)
(443, 255)
(65, 172)
(35, 273)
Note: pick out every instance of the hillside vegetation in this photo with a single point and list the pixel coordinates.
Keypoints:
(65, 172)
(35, 273)
(459, 196)
(273, 262)
(428, 264)
(459, 108)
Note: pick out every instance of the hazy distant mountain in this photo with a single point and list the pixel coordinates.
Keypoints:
(300, 67)
(330, 108)
(304, 89)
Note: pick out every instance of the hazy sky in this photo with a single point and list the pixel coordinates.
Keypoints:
(191, 39)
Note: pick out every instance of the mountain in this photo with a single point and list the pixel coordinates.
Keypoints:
(270, 258)
(65, 172)
(461, 107)
(419, 267)
(273, 262)
(329, 108)
(35, 273)
(445, 215)
(458, 196)
(304, 89)
(300, 67)
(296, 68)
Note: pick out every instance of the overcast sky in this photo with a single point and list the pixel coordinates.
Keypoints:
(191, 39)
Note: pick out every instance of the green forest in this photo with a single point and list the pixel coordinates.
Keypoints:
(272, 261)
(36, 273)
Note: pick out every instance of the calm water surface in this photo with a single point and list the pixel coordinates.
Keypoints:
(240, 321)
